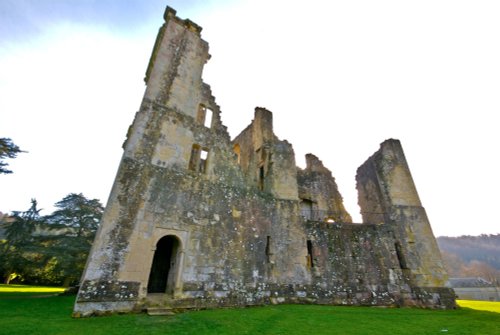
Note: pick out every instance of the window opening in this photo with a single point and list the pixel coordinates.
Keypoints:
(198, 160)
(306, 209)
(208, 118)
(310, 260)
(237, 151)
(195, 156)
(203, 161)
(268, 250)
(261, 161)
(261, 178)
(204, 116)
(401, 257)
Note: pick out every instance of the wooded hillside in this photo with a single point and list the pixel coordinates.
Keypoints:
(472, 256)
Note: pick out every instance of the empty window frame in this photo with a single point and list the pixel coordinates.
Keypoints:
(202, 165)
(310, 258)
(306, 209)
(237, 152)
(261, 157)
(268, 249)
(199, 158)
(205, 116)
(261, 178)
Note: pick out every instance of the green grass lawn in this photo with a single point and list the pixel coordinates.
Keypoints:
(480, 305)
(25, 314)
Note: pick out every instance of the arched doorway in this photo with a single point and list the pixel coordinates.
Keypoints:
(165, 265)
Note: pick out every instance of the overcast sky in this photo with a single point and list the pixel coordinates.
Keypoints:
(339, 76)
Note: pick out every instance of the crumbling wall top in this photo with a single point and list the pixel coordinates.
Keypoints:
(188, 25)
(314, 164)
(384, 180)
(170, 14)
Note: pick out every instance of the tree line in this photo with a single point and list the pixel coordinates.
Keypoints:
(472, 256)
(50, 249)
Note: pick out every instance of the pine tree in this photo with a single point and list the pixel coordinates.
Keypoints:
(7, 150)
(19, 252)
(78, 219)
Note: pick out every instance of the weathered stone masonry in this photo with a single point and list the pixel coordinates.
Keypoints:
(196, 220)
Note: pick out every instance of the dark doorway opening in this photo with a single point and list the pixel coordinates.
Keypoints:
(162, 275)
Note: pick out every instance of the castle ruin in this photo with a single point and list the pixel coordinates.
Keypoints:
(197, 220)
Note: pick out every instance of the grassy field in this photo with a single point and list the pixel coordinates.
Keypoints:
(22, 312)
(480, 305)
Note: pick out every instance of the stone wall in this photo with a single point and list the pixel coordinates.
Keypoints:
(319, 194)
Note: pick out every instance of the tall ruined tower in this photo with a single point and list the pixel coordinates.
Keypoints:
(388, 194)
(197, 220)
(172, 134)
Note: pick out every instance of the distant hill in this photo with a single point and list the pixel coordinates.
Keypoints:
(483, 248)
(467, 256)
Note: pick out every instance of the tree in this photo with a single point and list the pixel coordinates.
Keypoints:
(78, 219)
(78, 212)
(454, 264)
(7, 150)
(19, 252)
(21, 230)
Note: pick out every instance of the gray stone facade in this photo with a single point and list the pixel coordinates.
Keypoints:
(197, 220)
